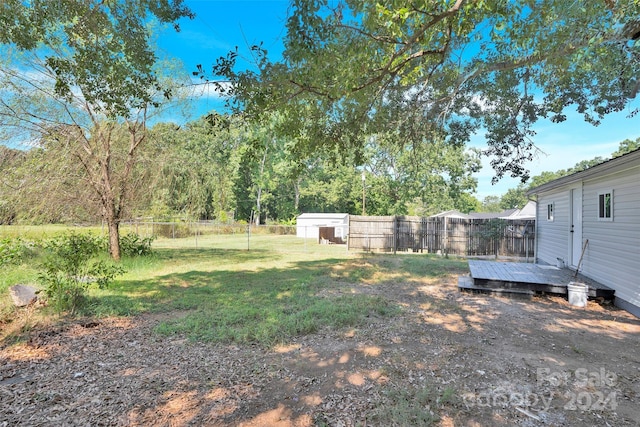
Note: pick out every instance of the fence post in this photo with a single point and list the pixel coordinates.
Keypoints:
(395, 234)
(445, 239)
(348, 236)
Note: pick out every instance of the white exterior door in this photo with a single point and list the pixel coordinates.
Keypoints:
(575, 234)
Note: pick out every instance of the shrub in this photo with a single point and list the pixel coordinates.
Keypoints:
(72, 251)
(134, 245)
(12, 251)
(70, 268)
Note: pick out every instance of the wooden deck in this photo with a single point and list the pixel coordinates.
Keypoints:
(526, 279)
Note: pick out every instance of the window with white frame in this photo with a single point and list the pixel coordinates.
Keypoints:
(550, 210)
(605, 205)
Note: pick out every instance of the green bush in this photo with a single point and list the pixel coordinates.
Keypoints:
(133, 245)
(70, 267)
(72, 251)
(12, 251)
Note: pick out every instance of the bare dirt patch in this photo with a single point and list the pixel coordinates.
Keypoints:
(449, 358)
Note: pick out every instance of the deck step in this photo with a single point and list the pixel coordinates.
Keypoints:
(465, 284)
(497, 277)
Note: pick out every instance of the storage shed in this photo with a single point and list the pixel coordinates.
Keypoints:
(595, 215)
(325, 227)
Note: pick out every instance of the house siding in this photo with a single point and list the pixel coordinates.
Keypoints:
(612, 256)
(553, 235)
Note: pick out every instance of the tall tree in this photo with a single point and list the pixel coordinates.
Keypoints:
(195, 166)
(514, 198)
(491, 204)
(441, 70)
(429, 176)
(626, 146)
(96, 77)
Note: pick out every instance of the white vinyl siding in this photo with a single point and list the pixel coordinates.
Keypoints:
(613, 254)
(553, 236)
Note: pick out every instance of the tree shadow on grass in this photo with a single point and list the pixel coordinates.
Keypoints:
(219, 255)
(263, 305)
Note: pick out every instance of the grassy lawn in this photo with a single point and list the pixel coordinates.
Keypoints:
(228, 288)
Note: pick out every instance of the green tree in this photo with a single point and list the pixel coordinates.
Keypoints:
(10, 160)
(95, 77)
(429, 177)
(514, 198)
(441, 70)
(626, 146)
(330, 186)
(195, 166)
(491, 204)
(468, 203)
(584, 165)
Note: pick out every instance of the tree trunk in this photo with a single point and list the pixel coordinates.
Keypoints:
(259, 191)
(258, 196)
(296, 187)
(114, 238)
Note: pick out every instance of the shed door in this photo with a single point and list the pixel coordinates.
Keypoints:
(576, 226)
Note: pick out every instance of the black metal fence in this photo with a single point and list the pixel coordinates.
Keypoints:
(456, 236)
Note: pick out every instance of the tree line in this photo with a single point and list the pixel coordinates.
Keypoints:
(222, 168)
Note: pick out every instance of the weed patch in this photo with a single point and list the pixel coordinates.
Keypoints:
(274, 315)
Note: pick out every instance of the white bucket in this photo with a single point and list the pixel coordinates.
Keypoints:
(577, 293)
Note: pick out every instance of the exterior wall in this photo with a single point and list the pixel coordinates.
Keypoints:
(308, 225)
(613, 254)
(307, 229)
(553, 236)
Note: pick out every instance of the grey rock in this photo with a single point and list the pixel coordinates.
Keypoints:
(23, 295)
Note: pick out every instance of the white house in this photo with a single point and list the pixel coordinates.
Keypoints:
(451, 214)
(332, 226)
(528, 212)
(595, 215)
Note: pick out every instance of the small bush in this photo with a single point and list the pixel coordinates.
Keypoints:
(134, 245)
(70, 268)
(72, 251)
(12, 251)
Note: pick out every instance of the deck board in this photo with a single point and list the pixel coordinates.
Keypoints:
(533, 277)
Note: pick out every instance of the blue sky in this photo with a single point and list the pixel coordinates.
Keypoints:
(221, 25)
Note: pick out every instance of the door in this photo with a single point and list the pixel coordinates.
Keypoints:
(575, 238)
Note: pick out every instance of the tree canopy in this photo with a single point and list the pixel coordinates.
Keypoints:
(99, 48)
(441, 71)
(78, 77)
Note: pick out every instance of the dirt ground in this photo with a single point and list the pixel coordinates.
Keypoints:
(468, 360)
